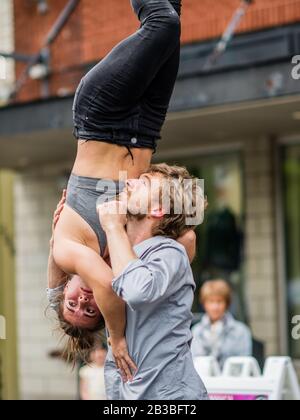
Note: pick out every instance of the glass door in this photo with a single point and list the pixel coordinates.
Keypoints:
(220, 238)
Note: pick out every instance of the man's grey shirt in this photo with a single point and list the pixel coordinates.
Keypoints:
(159, 291)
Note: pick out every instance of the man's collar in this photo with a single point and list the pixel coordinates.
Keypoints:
(145, 245)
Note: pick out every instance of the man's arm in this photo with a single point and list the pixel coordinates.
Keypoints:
(119, 241)
(136, 282)
(143, 283)
(120, 249)
(113, 219)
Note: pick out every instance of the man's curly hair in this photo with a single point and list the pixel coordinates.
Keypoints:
(183, 189)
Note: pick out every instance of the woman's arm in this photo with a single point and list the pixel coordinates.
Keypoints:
(56, 276)
(76, 258)
(136, 282)
(120, 249)
(69, 256)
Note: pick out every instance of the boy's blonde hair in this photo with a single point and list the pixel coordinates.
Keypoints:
(218, 288)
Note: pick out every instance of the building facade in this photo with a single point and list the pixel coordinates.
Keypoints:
(8, 355)
(7, 73)
(235, 124)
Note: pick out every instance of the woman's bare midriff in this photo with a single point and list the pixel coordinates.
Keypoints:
(101, 160)
(98, 159)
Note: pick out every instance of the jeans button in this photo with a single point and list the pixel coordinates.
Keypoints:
(134, 140)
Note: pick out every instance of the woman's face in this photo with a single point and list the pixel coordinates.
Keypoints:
(215, 307)
(80, 308)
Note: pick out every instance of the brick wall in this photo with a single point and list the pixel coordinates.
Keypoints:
(207, 19)
(97, 26)
(40, 377)
(66, 54)
(6, 45)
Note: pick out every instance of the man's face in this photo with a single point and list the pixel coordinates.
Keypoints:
(80, 308)
(143, 195)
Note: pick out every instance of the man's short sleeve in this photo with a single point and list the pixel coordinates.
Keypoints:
(146, 282)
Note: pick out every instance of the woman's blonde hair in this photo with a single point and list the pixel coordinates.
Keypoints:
(80, 341)
(216, 288)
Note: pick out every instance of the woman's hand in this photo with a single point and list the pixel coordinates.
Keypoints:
(112, 214)
(56, 276)
(57, 214)
(124, 363)
(189, 241)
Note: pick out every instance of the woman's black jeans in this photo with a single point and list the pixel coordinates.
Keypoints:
(124, 99)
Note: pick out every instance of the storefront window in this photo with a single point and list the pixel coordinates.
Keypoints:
(291, 183)
(220, 238)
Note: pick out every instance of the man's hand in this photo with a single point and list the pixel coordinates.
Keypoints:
(112, 214)
(124, 363)
(57, 214)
